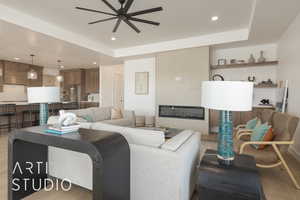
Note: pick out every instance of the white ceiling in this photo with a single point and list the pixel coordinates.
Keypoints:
(179, 19)
(21, 42)
(54, 30)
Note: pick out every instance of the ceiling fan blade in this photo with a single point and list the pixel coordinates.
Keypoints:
(96, 11)
(117, 25)
(110, 6)
(144, 21)
(131, 25)
(103, 20)
(128, 5)
(145, 11)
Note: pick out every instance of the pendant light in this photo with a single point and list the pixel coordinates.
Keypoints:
(32, 74)
(59, 77)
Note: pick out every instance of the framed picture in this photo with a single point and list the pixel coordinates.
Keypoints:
(222, 62)
(141, 83)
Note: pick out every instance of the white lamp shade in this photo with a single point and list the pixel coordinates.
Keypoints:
(43, 94)
(227, 95)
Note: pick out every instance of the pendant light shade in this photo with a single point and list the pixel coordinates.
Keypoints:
(32, 74)
(59, 77)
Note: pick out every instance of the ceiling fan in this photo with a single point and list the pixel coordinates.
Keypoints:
(122, 14)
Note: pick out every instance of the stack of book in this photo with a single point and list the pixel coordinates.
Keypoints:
(60, 130)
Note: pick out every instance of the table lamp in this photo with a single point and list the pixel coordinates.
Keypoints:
(226, 96)
(43, 96)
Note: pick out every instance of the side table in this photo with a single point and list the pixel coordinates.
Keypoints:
(238, 182)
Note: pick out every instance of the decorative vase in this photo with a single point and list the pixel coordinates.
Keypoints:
(261, 58)
(251, 59)
(225, 140)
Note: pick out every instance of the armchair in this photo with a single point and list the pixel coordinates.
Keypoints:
(284, 127)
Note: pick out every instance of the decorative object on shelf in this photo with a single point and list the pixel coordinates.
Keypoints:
(240, 61)
(226, 96)
(265, 101)
(222, 62)
(218, 77)
(261, 58)
(251, 59)
(59, 77)
(266, 84)
(244, 65)
(66, 119)
(32, 74)
(251, 79)
(43, 96)
(233, 61)
(141, 83)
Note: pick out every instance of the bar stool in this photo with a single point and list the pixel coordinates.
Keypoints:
(8, 111)
(71, 106)
(54, 108)
(33, 112)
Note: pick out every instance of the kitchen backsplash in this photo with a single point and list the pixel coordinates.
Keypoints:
(13, 93)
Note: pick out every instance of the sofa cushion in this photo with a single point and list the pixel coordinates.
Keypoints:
(134, 135)
(145, 137)
(175, 143)
(101, 114)
(83, 113)
(116, 113)
(119, 122)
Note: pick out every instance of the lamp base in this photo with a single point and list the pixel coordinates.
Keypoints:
(225, 143)
(44, 112)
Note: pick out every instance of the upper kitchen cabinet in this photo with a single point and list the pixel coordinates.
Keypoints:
(15, 73)
(73, 77)
(92, 80)
(39, 81)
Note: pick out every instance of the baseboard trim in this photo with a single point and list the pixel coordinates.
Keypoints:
(294, 153)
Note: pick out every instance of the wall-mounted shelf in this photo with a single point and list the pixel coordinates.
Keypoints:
(243, 65)
(257, 86)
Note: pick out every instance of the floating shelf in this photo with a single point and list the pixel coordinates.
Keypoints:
(243, 65)
(257, 86)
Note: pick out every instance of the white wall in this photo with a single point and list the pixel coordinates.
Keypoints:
(241, 74)
(141, 104)
(289, 69)
(107, 84)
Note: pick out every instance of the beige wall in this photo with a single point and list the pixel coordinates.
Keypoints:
(178, 82)
(289, 69)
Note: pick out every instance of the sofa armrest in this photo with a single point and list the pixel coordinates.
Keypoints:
(129, 115)
(163, 174)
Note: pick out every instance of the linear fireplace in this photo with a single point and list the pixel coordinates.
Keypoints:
(182, 112)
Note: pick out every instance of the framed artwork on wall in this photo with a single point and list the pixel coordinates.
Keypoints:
(142, 83)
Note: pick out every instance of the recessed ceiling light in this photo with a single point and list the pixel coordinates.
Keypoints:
(17, 58)
(113, 38)
(62, 66)
(95, 63)
(214, 18)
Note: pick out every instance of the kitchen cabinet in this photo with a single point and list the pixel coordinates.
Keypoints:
(92, 80)
(73, 79)
(39, 81)
(15, 73)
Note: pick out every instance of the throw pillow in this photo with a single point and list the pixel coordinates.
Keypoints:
(259, 133)
(88, 118)
(267, 137)
(116, 113)
(251, 124)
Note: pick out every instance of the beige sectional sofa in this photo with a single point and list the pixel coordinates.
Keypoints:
(160, 169)
(102, 114)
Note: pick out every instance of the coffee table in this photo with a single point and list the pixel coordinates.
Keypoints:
(169, 132)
